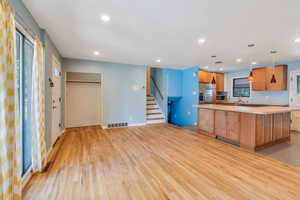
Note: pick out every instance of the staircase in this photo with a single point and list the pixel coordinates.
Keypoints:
(154, 112)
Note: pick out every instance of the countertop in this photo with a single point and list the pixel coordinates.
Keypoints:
(261, 110)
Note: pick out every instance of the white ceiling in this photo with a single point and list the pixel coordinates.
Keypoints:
(141, 31)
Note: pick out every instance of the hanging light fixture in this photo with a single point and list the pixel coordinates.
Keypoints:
(273, 80)
(251, 77)
(213, 81)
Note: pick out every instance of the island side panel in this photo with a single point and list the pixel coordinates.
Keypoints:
(221, 123)
(281, 128)
(264, 128)
(233, 126)
(247, 131)
(206, 119)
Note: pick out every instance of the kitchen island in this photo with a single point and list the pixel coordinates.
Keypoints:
(251, 127)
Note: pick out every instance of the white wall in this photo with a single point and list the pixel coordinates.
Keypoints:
(123, 87)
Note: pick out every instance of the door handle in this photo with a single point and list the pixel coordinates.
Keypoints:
(54, 107)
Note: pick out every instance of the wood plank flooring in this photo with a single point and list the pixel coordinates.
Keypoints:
(159, 162)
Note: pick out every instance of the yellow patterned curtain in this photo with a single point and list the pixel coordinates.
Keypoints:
(10, 142)
(38, 108)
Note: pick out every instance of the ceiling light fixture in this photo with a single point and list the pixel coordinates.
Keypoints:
(253, 63)
(221, 69)
(205, 67)
(105, 18)
(96, 53)
(158, 60)
(201, 41)
(238, 60)
(297, 40)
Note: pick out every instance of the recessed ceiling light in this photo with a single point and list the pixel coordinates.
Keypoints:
(205, 67)
(96, 53)
(297, 40)
(221, 69)
(239, 60)
(158, 60)
(253, 63)
(105, 18)
(201, 41)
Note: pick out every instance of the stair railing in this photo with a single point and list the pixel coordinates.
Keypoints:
(157, 88)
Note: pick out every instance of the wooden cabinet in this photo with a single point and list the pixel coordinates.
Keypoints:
(207, 77)
(220, 121)
(220, 82)
(203, 76)
(227, 125)
(259, 82)
(206, 122)
(233, 126)
(263, 76)
(280, 73)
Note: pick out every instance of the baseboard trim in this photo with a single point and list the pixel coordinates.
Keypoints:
(140, 124)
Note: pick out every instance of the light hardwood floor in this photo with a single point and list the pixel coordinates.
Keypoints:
(159, 162)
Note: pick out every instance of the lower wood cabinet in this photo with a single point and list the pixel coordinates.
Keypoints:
(227, 125)
(233, 126)
(207, 122)
(250, 131)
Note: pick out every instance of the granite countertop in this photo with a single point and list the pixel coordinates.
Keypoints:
(260, 110)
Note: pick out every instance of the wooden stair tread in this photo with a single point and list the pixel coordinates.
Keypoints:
(152, 108)
(156, 118)
(154, 113)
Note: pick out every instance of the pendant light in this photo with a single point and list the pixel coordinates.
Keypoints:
(251, 77)
(273, 80)
(213, 81)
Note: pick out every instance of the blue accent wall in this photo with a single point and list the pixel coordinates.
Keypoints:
(184, 114)
(181, 88)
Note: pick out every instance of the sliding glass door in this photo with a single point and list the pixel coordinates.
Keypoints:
(25, 50)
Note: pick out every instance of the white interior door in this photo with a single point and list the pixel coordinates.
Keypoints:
(83, 104)
(56, 99)
(295, 99)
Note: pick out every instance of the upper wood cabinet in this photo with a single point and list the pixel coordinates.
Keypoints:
(220, 82)
(263, 76)
(259, 82)
(207, 77)
(203, 76)
(281, 74)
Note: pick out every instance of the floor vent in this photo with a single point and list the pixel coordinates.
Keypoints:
(117, 125)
